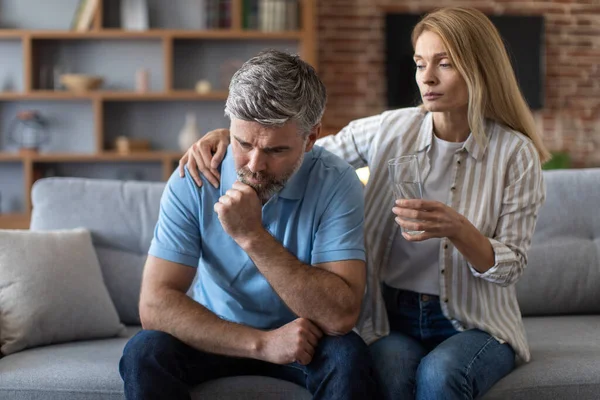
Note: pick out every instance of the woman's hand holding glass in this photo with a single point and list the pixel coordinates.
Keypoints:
(205, 156)
(435, 219)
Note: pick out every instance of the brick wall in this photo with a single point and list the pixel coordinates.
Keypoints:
(352, 64)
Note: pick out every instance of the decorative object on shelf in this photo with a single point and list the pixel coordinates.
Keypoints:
(84, 15)
(189, 134)
(28, 131)
(142, 80)
(81, 82)
(203, 86)
(59, 69)
(126, 145)
(227, 70)
(134, 15)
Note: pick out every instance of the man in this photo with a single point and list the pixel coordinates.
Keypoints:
(277, 253)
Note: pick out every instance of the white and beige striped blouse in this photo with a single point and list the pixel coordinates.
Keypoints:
(498, 187)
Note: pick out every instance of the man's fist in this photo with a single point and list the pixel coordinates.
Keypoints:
(293, 342)
(240, 212)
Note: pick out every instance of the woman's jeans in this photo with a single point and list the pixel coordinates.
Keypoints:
(425, 358)
(156, 365)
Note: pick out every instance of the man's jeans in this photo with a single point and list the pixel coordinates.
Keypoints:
(425, 358)
(156, 365)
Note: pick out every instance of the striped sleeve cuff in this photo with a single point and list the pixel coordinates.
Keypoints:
(504, 259)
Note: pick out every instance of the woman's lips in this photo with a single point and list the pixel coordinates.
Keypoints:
(432, 96)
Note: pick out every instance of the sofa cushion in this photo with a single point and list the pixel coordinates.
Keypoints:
(86, 370)
(565, 361)
(51, 290)
(564, 260)
(89, 370)
(250, 388)
(121, 217)
(122, 271)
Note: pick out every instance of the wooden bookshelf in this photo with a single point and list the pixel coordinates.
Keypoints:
(174, 95)
(33, 40)
(106, 156)
(165, 34)
(14, 221)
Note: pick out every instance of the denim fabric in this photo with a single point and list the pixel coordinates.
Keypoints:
(156, 365)
(425, 358)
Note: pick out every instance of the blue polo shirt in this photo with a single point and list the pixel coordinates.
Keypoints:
(317, 216)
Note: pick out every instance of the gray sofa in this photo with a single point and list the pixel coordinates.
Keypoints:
(559, 296)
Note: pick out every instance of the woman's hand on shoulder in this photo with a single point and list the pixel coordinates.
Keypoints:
(205, 156)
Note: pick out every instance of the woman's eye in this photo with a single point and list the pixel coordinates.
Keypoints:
(420, 66)
(445, 65)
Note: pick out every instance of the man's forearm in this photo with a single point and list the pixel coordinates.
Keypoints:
(313, 293)
(175, 313)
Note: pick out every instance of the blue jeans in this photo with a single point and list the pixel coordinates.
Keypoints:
(425, 358)
(156, 365)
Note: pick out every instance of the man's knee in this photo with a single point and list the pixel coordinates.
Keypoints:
(348, 350)
(145, 346)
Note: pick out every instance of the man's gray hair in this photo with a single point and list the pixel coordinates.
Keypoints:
(273, 88)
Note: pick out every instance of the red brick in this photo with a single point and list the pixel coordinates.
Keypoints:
(582, 9)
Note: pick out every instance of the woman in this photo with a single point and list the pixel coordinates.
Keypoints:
(442, 303)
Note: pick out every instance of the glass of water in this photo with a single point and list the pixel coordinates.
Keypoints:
(406, 180)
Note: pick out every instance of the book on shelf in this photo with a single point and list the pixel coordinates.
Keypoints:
(77, 14)
(218, 14)
(84, 15)
(250, 14)
(277, 15)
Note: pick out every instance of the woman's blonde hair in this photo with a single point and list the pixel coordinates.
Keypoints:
(476, 49)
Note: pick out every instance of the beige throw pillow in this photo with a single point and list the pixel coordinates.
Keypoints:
(52, 290)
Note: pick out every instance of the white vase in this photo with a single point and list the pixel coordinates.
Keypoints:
(189, 134)
(134, 15)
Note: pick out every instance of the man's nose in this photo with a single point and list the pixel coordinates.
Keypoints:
(256, 162)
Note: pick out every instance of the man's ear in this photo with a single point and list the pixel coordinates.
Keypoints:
(315, 132)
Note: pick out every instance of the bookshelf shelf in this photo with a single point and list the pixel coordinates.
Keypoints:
(106, 156)
(14, 221)
(177, 55)
(119, 34)
(11, 157)
(174, 95)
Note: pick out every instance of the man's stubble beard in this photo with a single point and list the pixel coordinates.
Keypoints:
(271, 186)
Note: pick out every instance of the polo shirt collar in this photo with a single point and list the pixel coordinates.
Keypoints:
(295, 187)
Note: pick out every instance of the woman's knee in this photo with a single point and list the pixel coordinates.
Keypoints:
(437, 374)
(396, 358)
